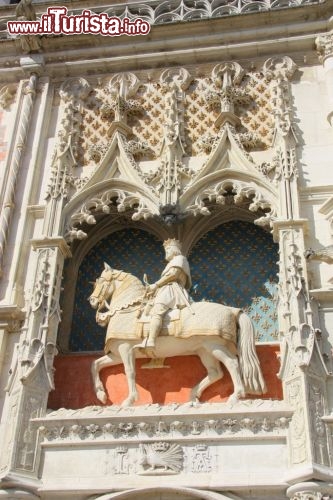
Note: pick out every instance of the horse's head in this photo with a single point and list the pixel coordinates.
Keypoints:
(104, 287)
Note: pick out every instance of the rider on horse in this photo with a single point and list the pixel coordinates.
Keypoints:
(170, 291)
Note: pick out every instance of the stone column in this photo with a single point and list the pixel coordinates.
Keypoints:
(303, 370)
(32, 376)
(29, 91)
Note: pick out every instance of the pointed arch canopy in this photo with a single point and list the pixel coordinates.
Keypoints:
(243, 186)
(98, 199)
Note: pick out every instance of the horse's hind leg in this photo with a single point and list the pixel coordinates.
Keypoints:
(230, 361)
(96, 367)
(214, 373)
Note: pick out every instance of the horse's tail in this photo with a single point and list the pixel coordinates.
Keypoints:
(253, 379)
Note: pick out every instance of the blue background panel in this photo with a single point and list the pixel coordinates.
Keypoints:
(234, 264)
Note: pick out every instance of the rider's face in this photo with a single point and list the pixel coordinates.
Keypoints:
(168, 253)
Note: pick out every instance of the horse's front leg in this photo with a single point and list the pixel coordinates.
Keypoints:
(128, 357)
(96, 367)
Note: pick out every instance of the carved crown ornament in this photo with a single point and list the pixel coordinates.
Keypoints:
(164, 134)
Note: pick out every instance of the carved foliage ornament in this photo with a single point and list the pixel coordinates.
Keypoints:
(211, 427)
(123, 200)
(310, 495)
(7, 96)
(226, 78)
(174, 83)
(279, 67)
(280, 70)
(120, 88)
(240, 193)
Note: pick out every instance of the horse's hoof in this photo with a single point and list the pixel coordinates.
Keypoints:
(194, 398)
(234, 398)
(126, 403)
(101, 396)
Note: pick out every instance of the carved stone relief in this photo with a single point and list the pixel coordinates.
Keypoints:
(324, 44)
(7, 96)
(170, 118)
(98, 423)
(298, 446)
(202, 459)
(318, 427)
(161, 458)
(73, 92)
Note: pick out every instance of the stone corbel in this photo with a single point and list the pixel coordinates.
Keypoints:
(11, 318)
(52, 242)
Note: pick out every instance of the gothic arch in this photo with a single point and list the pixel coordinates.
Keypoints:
(179, 492)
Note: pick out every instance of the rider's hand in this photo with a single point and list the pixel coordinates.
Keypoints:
(152, 288)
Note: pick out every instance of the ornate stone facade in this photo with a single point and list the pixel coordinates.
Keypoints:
(220, 116)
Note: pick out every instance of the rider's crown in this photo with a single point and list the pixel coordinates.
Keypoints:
(172, 242)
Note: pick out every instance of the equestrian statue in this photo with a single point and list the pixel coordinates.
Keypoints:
(160, 320)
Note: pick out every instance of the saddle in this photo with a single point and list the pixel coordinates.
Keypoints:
(171, 324)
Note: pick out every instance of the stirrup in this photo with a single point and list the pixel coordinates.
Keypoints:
(142, 345)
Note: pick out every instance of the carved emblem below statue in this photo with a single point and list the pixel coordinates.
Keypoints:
(161, 458)
(159, 321)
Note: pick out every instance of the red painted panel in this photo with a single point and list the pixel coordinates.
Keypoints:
(74, 387)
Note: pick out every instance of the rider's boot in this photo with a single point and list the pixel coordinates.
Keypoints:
(154, 329)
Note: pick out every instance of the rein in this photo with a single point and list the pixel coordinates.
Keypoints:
(126, 282)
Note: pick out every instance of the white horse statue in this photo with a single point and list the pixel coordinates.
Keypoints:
(214, 332)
